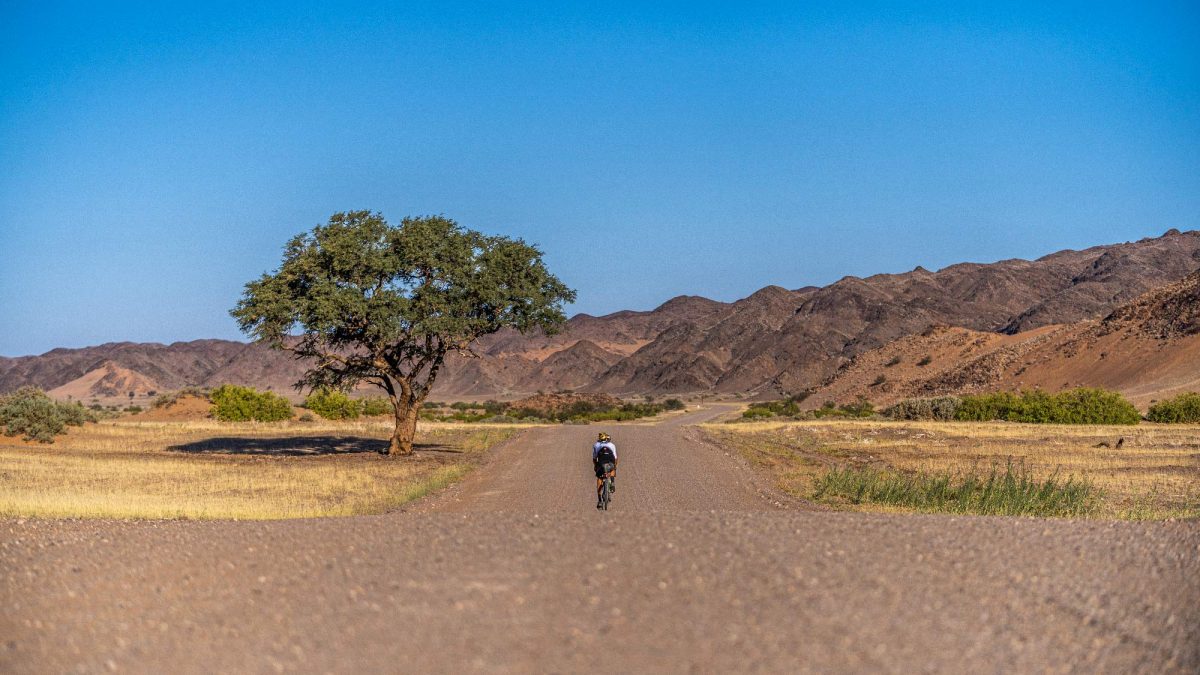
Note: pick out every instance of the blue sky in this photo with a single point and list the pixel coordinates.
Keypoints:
(154, 157)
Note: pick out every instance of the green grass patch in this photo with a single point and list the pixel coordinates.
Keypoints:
(1013, 491)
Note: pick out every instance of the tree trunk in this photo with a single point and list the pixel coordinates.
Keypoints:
(406, 429)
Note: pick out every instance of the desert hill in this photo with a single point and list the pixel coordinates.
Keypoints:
(779, 341)
(167, 367)
(773, 342)
(109, 380)
(1147, 349)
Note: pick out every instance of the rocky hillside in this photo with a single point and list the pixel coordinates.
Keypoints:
(779, 341)
(157, 367)
(773, 342)
(1169, 312)
(1147, 349)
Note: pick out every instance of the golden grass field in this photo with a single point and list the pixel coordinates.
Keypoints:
(209, 469)
(1154, 475)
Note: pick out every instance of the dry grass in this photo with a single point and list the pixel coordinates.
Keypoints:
(1155, 474)
(210, 469)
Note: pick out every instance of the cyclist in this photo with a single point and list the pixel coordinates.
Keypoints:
(604, 461)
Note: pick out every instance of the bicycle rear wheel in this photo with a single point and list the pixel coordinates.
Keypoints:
(605, 494)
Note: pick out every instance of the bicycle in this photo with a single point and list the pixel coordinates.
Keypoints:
(606, 486)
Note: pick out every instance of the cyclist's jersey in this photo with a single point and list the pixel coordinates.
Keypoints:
(607, 447)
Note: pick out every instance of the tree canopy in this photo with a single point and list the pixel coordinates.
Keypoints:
(365, 300)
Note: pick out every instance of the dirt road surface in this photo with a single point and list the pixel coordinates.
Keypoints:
(698, 567)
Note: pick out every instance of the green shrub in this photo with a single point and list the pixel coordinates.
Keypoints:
(1094, 406)
(860, 408)
(584, 411)
(373, 407)
(895, 360)
(790, 407)
(169, 398)
(925, 360)
(938, 408)
(782, 408)
(495, 407)
(757, 412)
(1074, 406)
(232, 403)
(523, 413)
(29, 412)
(674, 404)
(1183, 409)
(332, 404)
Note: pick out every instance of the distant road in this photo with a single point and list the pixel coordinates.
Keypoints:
(698, 567)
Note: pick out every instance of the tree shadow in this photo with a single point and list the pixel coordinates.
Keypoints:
(297, 446)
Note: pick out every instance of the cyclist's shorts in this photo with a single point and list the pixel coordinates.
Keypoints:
(603, 469)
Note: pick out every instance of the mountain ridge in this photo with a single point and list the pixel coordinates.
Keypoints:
(1147, 348)
(774, 341)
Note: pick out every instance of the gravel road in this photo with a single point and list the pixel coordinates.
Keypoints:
(698, 567)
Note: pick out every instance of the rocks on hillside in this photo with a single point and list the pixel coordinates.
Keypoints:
(1164, 313)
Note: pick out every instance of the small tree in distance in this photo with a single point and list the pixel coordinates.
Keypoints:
(366, 301)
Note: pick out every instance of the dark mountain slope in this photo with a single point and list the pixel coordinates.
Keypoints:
(754, 350)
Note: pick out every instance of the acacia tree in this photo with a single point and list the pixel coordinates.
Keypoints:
(365, 301)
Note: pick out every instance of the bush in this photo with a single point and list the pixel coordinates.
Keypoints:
(790, 407)
(232, 403)
(373, 407)
(170, 398)
(29, 412)
(925, 360)
(757, 412)
(1094, 406)
(495, 407)
(938, 408)
(1183, 409)
(584, 412)
(860, 408)
(1074, 406)
(895, 360)
(674, 404)
(332, 404)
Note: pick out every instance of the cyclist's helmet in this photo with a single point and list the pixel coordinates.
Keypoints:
(603, 437)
